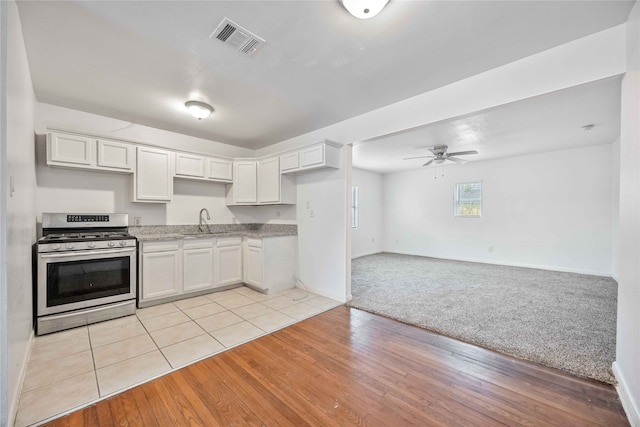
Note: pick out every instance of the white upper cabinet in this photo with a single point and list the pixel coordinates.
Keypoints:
(289, 162)
(325, 155)
(220, 169)
(116, 155)
(154, 175)
(273, 188)
(84, 152)
(244, 189)
(206, 168)
(189, 165)
(71, 151)
(269, 180)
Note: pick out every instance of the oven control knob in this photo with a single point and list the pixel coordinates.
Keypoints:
(69, 245)
(55, 246)
(111, 243)
(122, 243)
(91, 244)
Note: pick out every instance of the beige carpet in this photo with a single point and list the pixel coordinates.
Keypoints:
(563, 320)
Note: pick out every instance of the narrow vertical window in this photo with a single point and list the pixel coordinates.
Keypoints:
(354, 207)
(468, 199)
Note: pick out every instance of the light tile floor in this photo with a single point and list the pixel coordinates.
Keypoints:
(71, 369)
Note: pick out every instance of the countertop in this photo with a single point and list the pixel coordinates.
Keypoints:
(172, 232)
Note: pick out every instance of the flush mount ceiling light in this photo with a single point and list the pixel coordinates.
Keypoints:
(199, 110)
(364, 9)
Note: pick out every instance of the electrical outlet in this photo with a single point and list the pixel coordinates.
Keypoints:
(311, 213)
(373, 240)
(308, 204)
(490, 249)
(277, 213)
(137, 220)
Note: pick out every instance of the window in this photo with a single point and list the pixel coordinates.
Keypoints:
(468, 199)
(354, 207)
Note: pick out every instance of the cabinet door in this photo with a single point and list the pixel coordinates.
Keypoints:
(228, 265)
(269, 180)
(161, 275)
(253, 266)
(197, 269)
(312, 156)
(220, 169)
(153, 177)
(289, 162)
(244, 182)
(116, 155)
(71, 150)
(189, 165)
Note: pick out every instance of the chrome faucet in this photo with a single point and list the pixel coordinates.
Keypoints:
(201, 219)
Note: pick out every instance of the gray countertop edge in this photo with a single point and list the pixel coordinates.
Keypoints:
(176, 236)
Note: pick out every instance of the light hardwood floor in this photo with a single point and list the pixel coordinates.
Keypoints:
(348, 367)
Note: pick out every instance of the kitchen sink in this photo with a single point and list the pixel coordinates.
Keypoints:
(204, 233)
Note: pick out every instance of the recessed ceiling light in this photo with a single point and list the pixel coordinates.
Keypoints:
(364, 9)
(199, 110)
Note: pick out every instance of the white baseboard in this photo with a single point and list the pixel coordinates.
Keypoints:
(512, 264)
(365, 254)
(323, 293)
(630, 407)
(15, 399)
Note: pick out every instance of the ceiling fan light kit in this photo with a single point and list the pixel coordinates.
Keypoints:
(364, 9)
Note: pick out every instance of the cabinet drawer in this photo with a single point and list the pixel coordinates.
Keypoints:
(229, 241)
(255, 243)
(164, 246)
(197, 243)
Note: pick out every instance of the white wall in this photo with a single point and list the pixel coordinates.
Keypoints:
(367, 238)
(550, 210)
(627, 364)
(68, 190)
(21, 214)
(322, 230)
(590, 58)
(615, 204)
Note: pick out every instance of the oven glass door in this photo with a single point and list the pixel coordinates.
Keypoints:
(71, 281)
(74, 281)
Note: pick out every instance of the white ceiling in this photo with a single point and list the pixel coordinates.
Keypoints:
(544, 123)
(141, 60)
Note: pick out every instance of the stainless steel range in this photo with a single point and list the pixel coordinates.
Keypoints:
(86, 270)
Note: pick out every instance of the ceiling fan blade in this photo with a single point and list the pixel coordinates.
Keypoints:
(463, 153)
(456, 160)
(419, 157)
(429, 162)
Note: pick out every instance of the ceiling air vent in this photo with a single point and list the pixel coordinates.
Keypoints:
(241, 39)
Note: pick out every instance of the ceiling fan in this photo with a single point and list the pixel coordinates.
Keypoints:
(440, 155)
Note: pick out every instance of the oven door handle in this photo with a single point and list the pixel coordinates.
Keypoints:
(87, 253)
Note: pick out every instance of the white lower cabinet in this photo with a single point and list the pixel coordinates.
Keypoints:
(270, 262)
(161, 268)
(173, 269)
(228, 261)
(197, 261)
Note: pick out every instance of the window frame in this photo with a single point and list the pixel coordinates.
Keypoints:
(456, 202)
